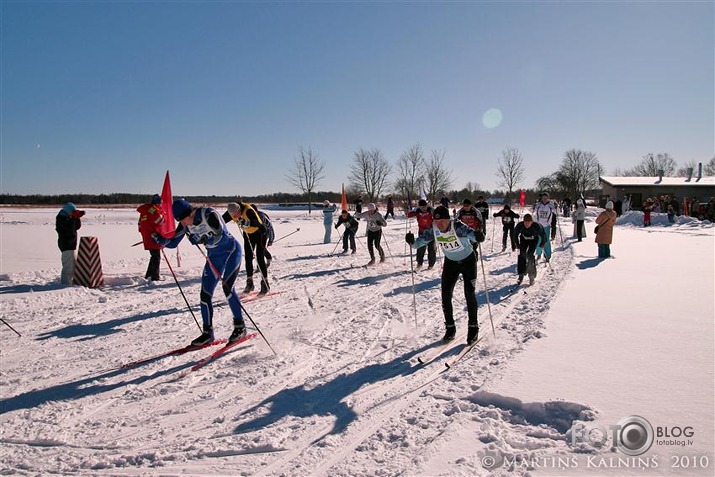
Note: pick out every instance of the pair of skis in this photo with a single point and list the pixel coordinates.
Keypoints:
(445, 347)
(186, 349)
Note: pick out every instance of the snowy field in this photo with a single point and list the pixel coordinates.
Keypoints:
(590, 344)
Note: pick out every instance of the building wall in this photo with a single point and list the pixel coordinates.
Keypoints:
(640, 193)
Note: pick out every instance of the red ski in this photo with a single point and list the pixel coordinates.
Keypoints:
(174, 352)
(216, 354)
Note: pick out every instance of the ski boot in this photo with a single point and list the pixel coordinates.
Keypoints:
(206, 337)
(249, 286)
(449, 334)
(472, 333)
(239, 331)
(264, 288)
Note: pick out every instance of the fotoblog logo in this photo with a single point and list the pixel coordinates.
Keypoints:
(632, 435)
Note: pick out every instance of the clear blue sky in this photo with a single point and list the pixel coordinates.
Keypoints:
(106, 96)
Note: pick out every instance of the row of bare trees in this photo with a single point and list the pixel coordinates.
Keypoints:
(415, 173)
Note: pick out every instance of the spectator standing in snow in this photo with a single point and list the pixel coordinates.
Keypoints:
(204, 225)
(507, 219)
(647, 207)
(580, 219)
(375, 222)
(456, 240)
(528, 236)
(423, 214)
(444, 201)
(67, 222)
(604, 235)
(351, 228)
(390, 207)
(358, 204)
(151, 216)
(328, 211)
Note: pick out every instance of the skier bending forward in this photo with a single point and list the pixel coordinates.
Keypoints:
(456, 240)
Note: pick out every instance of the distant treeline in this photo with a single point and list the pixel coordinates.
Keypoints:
(123, 198)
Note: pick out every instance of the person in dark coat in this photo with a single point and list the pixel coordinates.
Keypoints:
(351, 228)
(67, 223)
(529, 234)
(507, 219)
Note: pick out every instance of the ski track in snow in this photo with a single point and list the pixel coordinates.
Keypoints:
(344, 396)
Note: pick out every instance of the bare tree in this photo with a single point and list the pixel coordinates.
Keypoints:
(683, 171)
(411, 170)
(511, 169)
(438, 178)
(709, 168)
(579, 172)
(652, 163)
(369, 172)
(307, 173)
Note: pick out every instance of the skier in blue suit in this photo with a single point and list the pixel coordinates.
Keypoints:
(204, 225)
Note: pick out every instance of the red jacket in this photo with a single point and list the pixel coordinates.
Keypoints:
(424, 219)
(150, 216)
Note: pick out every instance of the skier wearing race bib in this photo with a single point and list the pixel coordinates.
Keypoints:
(545, 214)
(456, 240)
(204, 225)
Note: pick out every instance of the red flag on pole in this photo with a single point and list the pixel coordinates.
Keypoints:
(167, 227)
(522, 198)
(344, 200)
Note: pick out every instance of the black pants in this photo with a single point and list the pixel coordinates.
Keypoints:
(389, 212)
(349, 234)
(526, 258)
(579, 230)
(509, 230)
(373, 239)
(152, 270)
(255, 241)
(450, 273)
(431, 249)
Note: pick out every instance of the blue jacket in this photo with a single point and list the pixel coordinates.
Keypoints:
(208, 228)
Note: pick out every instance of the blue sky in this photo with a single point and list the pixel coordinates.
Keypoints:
(106, 96)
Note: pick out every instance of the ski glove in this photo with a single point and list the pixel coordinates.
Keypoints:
(479, 236)
(196, 239)
(410, 238)
(159, 239)
(77, 214)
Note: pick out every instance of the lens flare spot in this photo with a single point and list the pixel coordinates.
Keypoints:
(492, 118)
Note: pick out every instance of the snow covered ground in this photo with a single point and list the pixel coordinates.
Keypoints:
(590, 344)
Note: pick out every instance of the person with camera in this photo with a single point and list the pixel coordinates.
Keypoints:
(67, 222)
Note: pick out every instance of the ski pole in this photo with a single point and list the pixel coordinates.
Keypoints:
(223, 282)
(180, 290)
(8, 325)
(336, 245)
(138, 243)
(387, 244)
(493, 230)
(296, 230)
(486, 289)
(414, 297)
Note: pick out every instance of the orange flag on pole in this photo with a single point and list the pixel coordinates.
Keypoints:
(344, 200)
(167, 227)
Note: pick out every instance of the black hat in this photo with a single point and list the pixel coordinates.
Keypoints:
(440, 212)
(422, 202)
(466, 202)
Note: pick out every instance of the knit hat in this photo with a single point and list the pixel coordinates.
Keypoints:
(234, 208)
(422, 202)
(181, 209)
(440, 212)
(68, 208)
(371, 206)
(326, 203)
(466, 202)
(156, 199)
(609, 205)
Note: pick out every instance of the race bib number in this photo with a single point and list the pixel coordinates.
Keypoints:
(449, 241)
